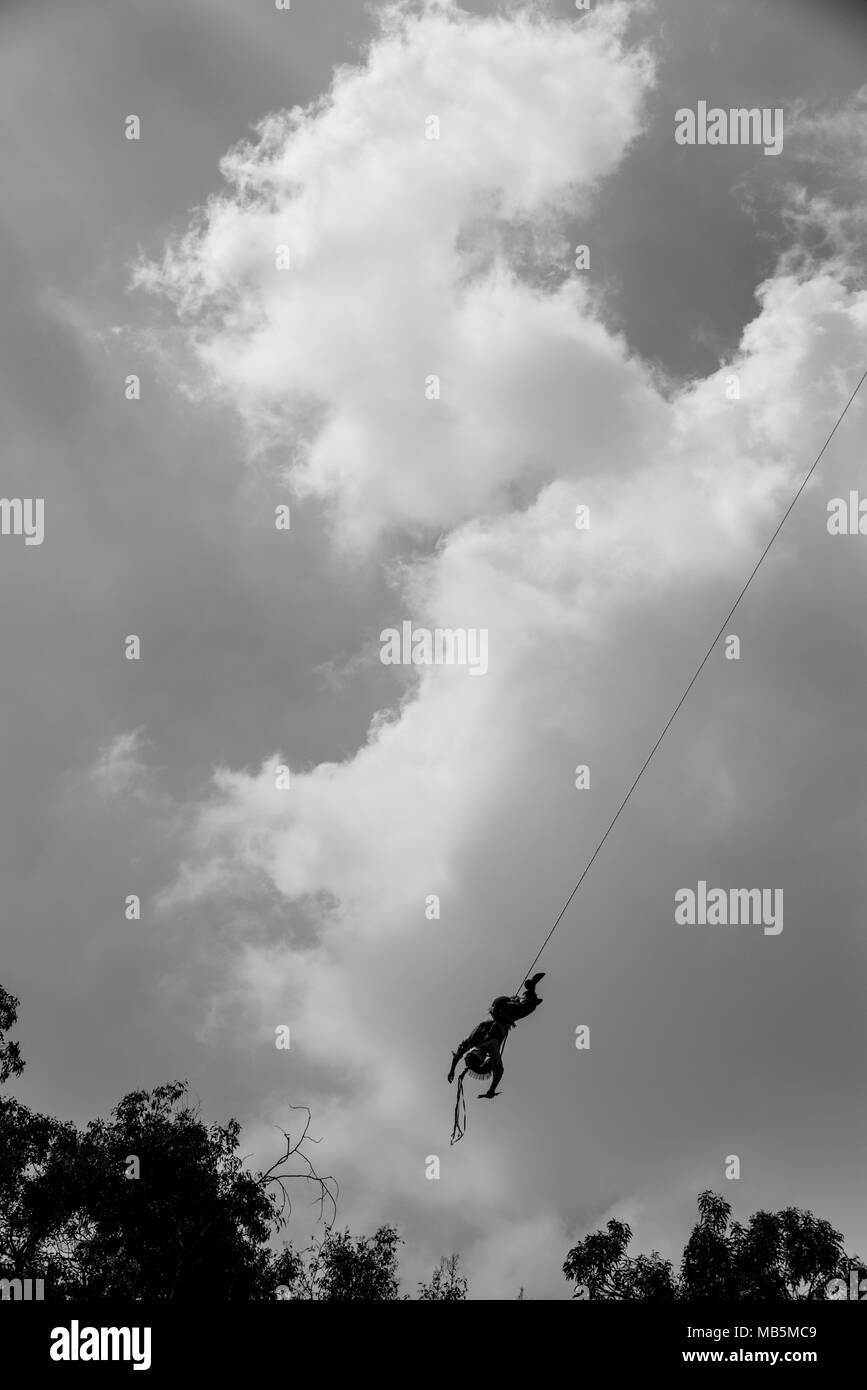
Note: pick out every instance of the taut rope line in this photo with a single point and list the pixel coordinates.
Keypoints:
(697, 673)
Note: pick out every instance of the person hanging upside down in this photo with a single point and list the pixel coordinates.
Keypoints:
(481, 1050)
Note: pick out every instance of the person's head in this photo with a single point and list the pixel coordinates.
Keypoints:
(498, 1009)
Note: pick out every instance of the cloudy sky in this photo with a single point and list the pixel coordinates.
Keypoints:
(609, 387)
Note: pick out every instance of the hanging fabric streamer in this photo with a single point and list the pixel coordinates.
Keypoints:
(460, 1125)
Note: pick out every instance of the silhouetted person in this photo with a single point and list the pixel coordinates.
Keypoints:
(481, 1050)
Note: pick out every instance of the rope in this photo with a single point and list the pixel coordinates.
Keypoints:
(696, 675)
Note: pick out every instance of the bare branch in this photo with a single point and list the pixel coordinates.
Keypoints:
(329, 1188)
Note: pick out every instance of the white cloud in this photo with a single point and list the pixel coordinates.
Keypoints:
(404, 258)
(119, 770)
(409, 261)
(828, 221)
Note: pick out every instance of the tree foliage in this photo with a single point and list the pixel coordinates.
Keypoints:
(446, 1285)
(790, 1254)
(10, 1052)
(151, 1203)
(599, 1264)
(342, 1268)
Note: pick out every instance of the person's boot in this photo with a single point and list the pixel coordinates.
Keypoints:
(533, 981)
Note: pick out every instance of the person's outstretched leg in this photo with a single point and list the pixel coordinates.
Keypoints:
(515, 1009)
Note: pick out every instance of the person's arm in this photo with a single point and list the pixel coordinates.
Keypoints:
(464, 1047)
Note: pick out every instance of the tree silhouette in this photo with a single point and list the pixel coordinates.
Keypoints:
(601, 1268)
(446, 1285)
(342, 1267)
(789, 1254)
(10, 1052)
(149, 1204)
(26, 1222)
